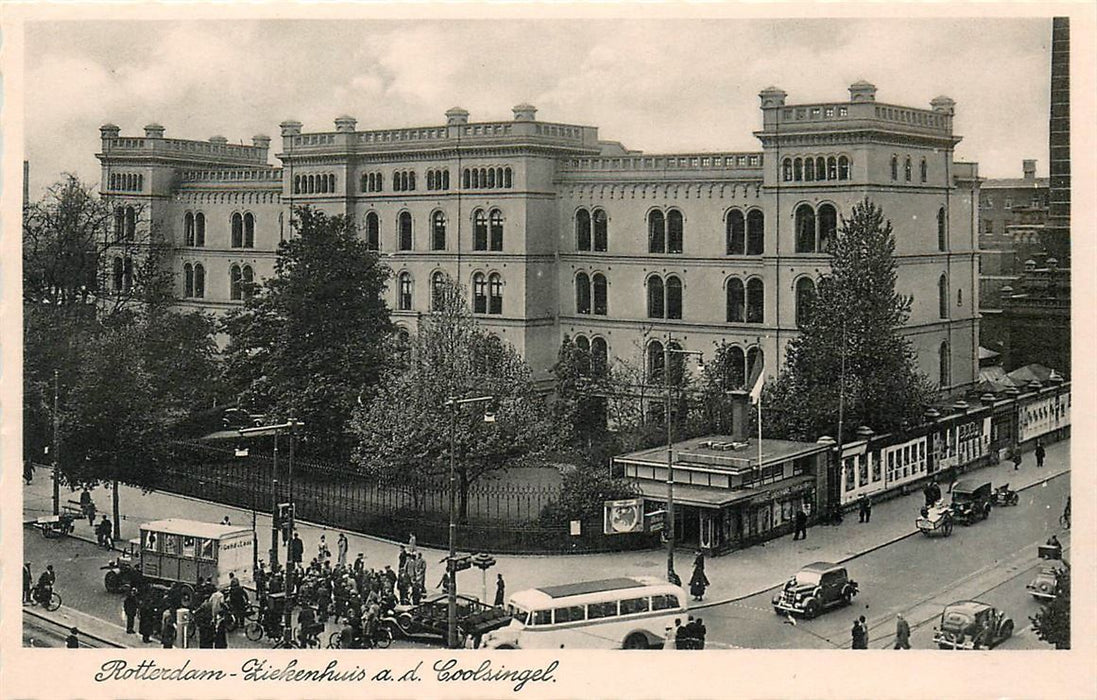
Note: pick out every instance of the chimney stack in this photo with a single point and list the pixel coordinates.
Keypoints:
(1029, 169)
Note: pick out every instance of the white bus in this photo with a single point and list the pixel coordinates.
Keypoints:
(616, 613)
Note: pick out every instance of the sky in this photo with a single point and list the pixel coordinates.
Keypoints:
(658, 85)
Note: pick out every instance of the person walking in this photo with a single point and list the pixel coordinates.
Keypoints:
(700, 631)
(28, 583)
(167, 630)
(860, 633)
(668, 639)
(1016, 458)
(500, 590)
(226, 521)
(296, 549)
(73, 640)
(698, 582)
(130, 606)
(801, 523)
(220, 632)
(341, 547)
(902, 632)
(1040, 453)
(149, 619)
(322, 551)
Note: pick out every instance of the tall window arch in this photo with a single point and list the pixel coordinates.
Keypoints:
(188, 280)
(404, 229)
(821, 170)
(601, 231)
(582, 344)
(199, 281)
(131, 224)
(437, 288)
(923, 170)
(736, 229)
(786, 170)
(944, 359)
(674, 231)
(656, 361)
(805, 295)
(237, 231)
(119, 223)
(736, 368)
(828, 227)
(582, 230)
(599, 356)
(805, 229)
(249, 230)
(942, 230)
(908, 171)
(736, 301)
(798, 169)
(479, 293)
(809, 170)
(656, 306)
(657, 232)
(942, 296)
(843, 168)
(756, 301)
(674, 297)
(438, 231)
(188, 229)
(895, 167)
(495, 292)
(236, 277)
(582, 293)
(403, 292)
(199, 230)
(756, 226)
(373, 231)
(479, 230)
(495, 221)
(117, 274)
(601, 305)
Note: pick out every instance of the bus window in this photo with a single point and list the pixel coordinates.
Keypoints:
(205, 550)
(188, 546)
(170, 542)
(542, 617)
(664, 602)
(150, 541)
(573, 613)
(599, 610)
(634, 605)
(518, 614)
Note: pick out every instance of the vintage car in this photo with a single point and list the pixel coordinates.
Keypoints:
(429, 621)
(935, 520)
(815, 588)
(1045, 585)
(972, 500)
(969, 624)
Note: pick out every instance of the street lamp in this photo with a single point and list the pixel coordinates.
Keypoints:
(453, 403)
(672, 577)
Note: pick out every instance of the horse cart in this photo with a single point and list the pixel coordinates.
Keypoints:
(935, 520)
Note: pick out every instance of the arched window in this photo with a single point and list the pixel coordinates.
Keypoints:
(396, 182)
(237, 231)
(367, 182)
(438, 231)
(311, 184)
(736, 301)
(495, 289)
(843, 168)
(907, 170)
(736, 368)
(756, 360)
(430, 179)
(798, 169)
(582, 230)
(895, 167)
(445, 179)
(247, 279)
(249, 230)
(821, 168)
(582, 293)
(755, 232)
(131, 224)
(601, 305)
(657, 360)
(127, 273)
(404, 227)
(657, 232)
(809, 170)
(756, 301)
(199, 281)
(491, 177)
(373, 231)
(601, 231)
(828, 227)
(496, 221)
(235, 276)
(674, 231)
(199, 229)
(479, 230)
(411, 181)
(674, 297)
(805, 229)
(119, 223)
(297, 184)
(188, 229)
(942, 233)
(805, 295)
(924, 170)
(479, 293)
(599, 356)
(475, 178)
(507, 178)
(466, 181)
(437, 288)
(403, 301)
(116, 274)
(735, 226)
(943, 360)
(188, 280)
(655, 297)
(786, 170)
(942, 296)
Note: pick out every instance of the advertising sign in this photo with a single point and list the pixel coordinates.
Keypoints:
(620, 517)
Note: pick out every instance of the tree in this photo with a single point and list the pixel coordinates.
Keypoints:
(181, 358)
(1052, 623)
(403, 432)
(583, 495)
(854, 320)
(308, 343)
(713, 410)
(579, 408)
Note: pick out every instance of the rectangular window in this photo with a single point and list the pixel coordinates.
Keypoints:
(635, 605)
(542, 617)
(875, 469)
(205, 549)
(663, 602)
(171, 544)
(600, 610)
(573, 613)
(862, 472)
(847, 468)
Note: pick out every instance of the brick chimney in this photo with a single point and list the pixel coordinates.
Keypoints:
(740, 415)
(1029, 167)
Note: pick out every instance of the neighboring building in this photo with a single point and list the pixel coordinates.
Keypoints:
(1036, 318)
(555, 232)
(1058, 229)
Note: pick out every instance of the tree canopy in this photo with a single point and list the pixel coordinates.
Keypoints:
(852, 330)
(1052, 623)
(308, 343)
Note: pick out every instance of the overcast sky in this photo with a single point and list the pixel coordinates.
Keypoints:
(655, 85)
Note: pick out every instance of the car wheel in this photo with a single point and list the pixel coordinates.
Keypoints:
(253, 631)
(811, 609)
(1007, 630)
(186, 595)
(777, 610)
(111, 582)
(943, 647)
(948, 528)
(403, 621)
(636, 641)
(847, 597)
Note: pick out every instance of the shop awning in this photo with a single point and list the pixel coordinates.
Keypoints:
(713, 497)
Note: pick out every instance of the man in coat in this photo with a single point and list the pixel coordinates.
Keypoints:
(167, 630)
(500, 590)
(801, 523)
(296, 549)
(341, 547)
(859, 634)
(149, 619)
(902, 632)
(1040, 453)
(130, 607)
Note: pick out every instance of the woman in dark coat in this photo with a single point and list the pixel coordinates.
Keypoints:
(698, 582)
(149, 619)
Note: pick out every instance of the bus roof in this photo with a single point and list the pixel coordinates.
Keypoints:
(193, 528)
(546, 595)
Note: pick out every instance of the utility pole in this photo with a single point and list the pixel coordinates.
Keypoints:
(672, 576)
(55, 448)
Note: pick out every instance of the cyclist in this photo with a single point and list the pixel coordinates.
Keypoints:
(1066, 513)
(44, 590)
(308, 627)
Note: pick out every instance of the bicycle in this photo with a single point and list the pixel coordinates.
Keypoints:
(381, 640)
(52, 604)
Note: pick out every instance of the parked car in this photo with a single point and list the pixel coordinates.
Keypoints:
(429, 621)
(970, 624)
(972, 500)
(815, 588)
(239, 418)
(1045, 585)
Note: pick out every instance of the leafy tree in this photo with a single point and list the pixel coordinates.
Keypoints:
(579, 407)
(1052, 623)
(403, 433)
(181, 357)
(308, 343)
(583, 494)
(712, 411)
(855, 319)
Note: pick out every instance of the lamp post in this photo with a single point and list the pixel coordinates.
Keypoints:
(453, 403)
(672, 577)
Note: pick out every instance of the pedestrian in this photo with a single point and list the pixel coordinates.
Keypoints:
(73, 641)
(341, 547)
(1040, 453)
(225, 521)
(296, 549)
(88, 507)
(698, 582)
(443, 583)
(500, 590)
(28, 471)
(130, 606)
(402, 560)
(322, 551)
(902, 632)
(689, 634)
(167, 630)
(1016, 457)
(801, 532)
(149, 619)
(411, 543)
(220, 632)
(389, 577)
(28, 580)
(359, 564)
(679, 634)
(668, 638)
(700, 630)
(862, 508)
(927, 492)
(203, 620)
(857, 633)
(103, 533)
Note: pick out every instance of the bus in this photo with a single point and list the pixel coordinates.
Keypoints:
(616, 613)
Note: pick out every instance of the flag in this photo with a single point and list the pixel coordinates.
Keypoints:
(758, 378)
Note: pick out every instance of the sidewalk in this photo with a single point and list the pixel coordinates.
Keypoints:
(736, 575)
